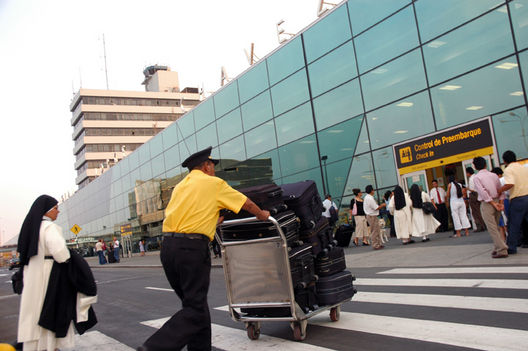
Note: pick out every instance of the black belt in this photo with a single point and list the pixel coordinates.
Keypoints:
(186, 236)
(48, 257)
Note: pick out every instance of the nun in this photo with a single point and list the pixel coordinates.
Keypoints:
(423, 224)
(400, 207)
(40, 243)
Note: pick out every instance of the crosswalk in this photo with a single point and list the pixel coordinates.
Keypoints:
(377, 310)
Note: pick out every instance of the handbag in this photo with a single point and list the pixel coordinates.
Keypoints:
(17, 280)
(428, 207)
(354, 209)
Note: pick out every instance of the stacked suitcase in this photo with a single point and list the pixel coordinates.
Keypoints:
(317, 264)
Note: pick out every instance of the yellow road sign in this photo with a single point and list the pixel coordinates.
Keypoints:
(75, 229)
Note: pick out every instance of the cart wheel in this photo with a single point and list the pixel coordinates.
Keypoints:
(253, 331)
(334, 313)
(298, 333)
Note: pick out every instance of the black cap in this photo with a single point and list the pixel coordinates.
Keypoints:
(199, 157)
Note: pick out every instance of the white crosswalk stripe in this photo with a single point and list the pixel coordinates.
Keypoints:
(463, 333)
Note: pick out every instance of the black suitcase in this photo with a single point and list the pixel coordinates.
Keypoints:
(303, 198)
(268, 197)
(302, 266)
(319, 236)
(343, 235)
(330, 261)
(288, 222)
(335, 288)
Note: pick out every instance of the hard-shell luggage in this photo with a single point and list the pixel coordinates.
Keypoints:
(303, 198)
(319, 236)
(268, 197)
(288, 222)
(335, 288)
(343, 235)
(330, 261)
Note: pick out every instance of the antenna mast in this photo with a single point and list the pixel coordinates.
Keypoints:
(106, 70)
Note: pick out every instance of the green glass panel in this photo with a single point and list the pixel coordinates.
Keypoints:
(188, 147)
(294, 124)
(253, 81)
(360, 174)
(226, 99)
(493, 88)
(257, 110)
(338, 105)
(299, 156)
(261, 139)
(384, 167)
(124, 166)
(185, 125)
(206, 137)
(386, 40)
(333, 69)
(311, 174)
(486, 39)
(145, 171)
(402, 120)
(511, 132)
(365, 13)
(172, 157)
(156, 145)
(519, 15)
(331, 31)
(273, 157)
(144, 153)
(158, 166)
(290, 92)
(336, 173)
(171, 135)
(339, 141)
(363, 144)
(229, 126)
(394, 80)
(523, 58)
(133, 160)
(288, 59)
(204, 114)
(437, 17)
(233, 149)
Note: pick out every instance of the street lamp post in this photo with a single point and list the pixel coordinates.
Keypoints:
(327, 190)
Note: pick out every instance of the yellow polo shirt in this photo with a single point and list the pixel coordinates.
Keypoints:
(517, 175)
(196, 202)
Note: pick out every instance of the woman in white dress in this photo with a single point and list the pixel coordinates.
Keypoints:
(423, 224)
(40, 243)
(458, 207)
(400, 207)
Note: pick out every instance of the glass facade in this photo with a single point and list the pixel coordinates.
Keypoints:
(329, 104)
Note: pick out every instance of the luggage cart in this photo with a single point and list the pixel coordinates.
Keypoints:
(257, 275)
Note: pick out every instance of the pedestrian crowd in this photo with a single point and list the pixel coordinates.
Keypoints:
(109, 253)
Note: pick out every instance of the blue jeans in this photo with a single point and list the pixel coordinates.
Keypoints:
(102, 259)
(116, 253)
(517, 213)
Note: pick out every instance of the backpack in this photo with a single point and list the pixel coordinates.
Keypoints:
(333, 214)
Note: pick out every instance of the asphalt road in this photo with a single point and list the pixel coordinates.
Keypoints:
(439, 309)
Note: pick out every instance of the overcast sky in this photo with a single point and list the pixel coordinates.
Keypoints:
(48, 49)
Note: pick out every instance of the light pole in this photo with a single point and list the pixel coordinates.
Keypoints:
(327, 190)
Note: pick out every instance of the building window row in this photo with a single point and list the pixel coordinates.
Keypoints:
(99, 100)
(130, 116)
(111, 147)
(121, 131)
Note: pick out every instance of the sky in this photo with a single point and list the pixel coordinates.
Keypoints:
(49, 49)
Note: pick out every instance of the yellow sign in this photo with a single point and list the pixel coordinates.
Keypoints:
(406, 155)
(75, 229)
(126, 230)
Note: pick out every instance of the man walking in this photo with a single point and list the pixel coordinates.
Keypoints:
(371, 208)
(516, 181)
(330, 210)
(190, 222)
(487, 186)
(438, 196)
(474, 203)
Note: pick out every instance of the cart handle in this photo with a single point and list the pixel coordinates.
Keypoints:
(252, 219)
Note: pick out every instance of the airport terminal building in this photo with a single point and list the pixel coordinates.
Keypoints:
(374, 92)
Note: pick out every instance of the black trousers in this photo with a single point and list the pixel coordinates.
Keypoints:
(442, 216)
(187, 265)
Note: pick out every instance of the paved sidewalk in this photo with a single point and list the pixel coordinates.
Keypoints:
(441, 250)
